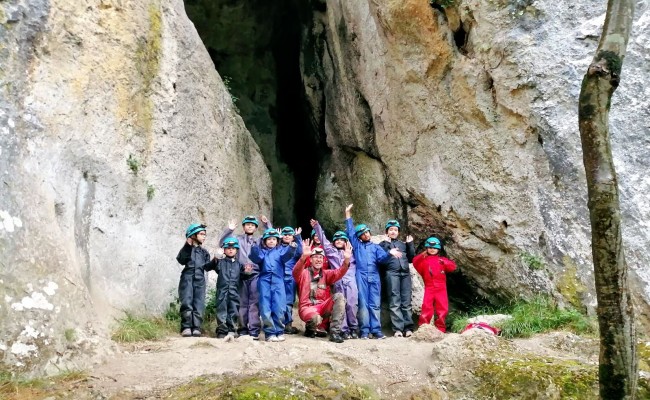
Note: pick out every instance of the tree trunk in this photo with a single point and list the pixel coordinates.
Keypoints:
(618, 359)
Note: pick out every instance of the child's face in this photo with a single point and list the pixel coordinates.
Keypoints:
(392, 232)
(230, 251)
(271, 242)
(339, 244)
(249, 228)
(315, 240)
(200, 237)
(431, 251)
(287, 239)
(365, 237)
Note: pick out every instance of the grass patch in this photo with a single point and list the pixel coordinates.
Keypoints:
(151, 191)
(58, 386)
(528, 318)
(306, 381)
(541, 315)
(132, 328)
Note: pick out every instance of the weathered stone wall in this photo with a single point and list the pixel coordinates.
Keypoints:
(116, 132)
(468, 116)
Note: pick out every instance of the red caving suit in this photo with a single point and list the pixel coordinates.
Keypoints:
(433, 270)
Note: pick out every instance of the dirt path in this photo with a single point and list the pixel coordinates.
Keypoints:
(393, 367)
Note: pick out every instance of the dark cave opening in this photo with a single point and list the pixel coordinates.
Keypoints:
(256, 49)
(255, 46)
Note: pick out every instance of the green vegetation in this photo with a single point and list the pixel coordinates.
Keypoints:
(133, 163)
(59, 386)
(536, 316)
(151, 191)
(226, 81)
(533, 377)
(306, 381)
(135, 329)
(532, 261)
(70, 335)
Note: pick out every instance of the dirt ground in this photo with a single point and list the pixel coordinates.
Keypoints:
(394, 368)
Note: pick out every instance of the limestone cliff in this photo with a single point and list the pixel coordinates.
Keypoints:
(116, 132)
(461, 118)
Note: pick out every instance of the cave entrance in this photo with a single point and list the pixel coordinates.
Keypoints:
(255, 47)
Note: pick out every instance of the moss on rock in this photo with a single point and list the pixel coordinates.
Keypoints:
(537, 377)
(306, 381)
(568, 284)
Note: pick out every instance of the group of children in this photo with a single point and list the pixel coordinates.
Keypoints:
(338, 281)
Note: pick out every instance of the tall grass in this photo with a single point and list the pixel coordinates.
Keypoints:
(529, 317)
(132, 328)
(541, 315)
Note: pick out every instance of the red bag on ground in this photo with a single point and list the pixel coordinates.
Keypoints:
(482, 326)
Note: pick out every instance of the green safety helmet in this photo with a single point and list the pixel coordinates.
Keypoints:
(433, 243)
(360, 230)
(270, 233)
(250, 219)
(340, 235)
(230, 242)
(194, 229)
(313, 233)
(391, 223)
(287, 230)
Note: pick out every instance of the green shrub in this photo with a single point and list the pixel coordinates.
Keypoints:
(133, 163)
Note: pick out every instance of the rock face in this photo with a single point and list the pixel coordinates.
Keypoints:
(116, 132)
(462, 122)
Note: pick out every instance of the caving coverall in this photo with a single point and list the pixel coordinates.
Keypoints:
(314, 296)
(270, 285)
(347, 285)
(433, 270)
(229, 271)
(191, 287)
(249, 313)
(398, 284)
(368, 256)
(289, 283)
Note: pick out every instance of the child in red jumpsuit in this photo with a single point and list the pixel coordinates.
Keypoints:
(433, 269)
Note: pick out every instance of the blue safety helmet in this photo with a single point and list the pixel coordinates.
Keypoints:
(250, 219)
(313, 233)
(270, 233)
(230, 242)
(194, 229)
(360, 230)
(433, 243)
(287, 230)
(340, 235)
(391, 223)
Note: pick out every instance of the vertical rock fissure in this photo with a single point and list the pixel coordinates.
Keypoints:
(255, 46)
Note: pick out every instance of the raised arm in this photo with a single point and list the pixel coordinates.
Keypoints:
(410, 248)
(300, 265)
(266, 222)
(227, 232)
(334, 275)
(447, 264)
(185, 255)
